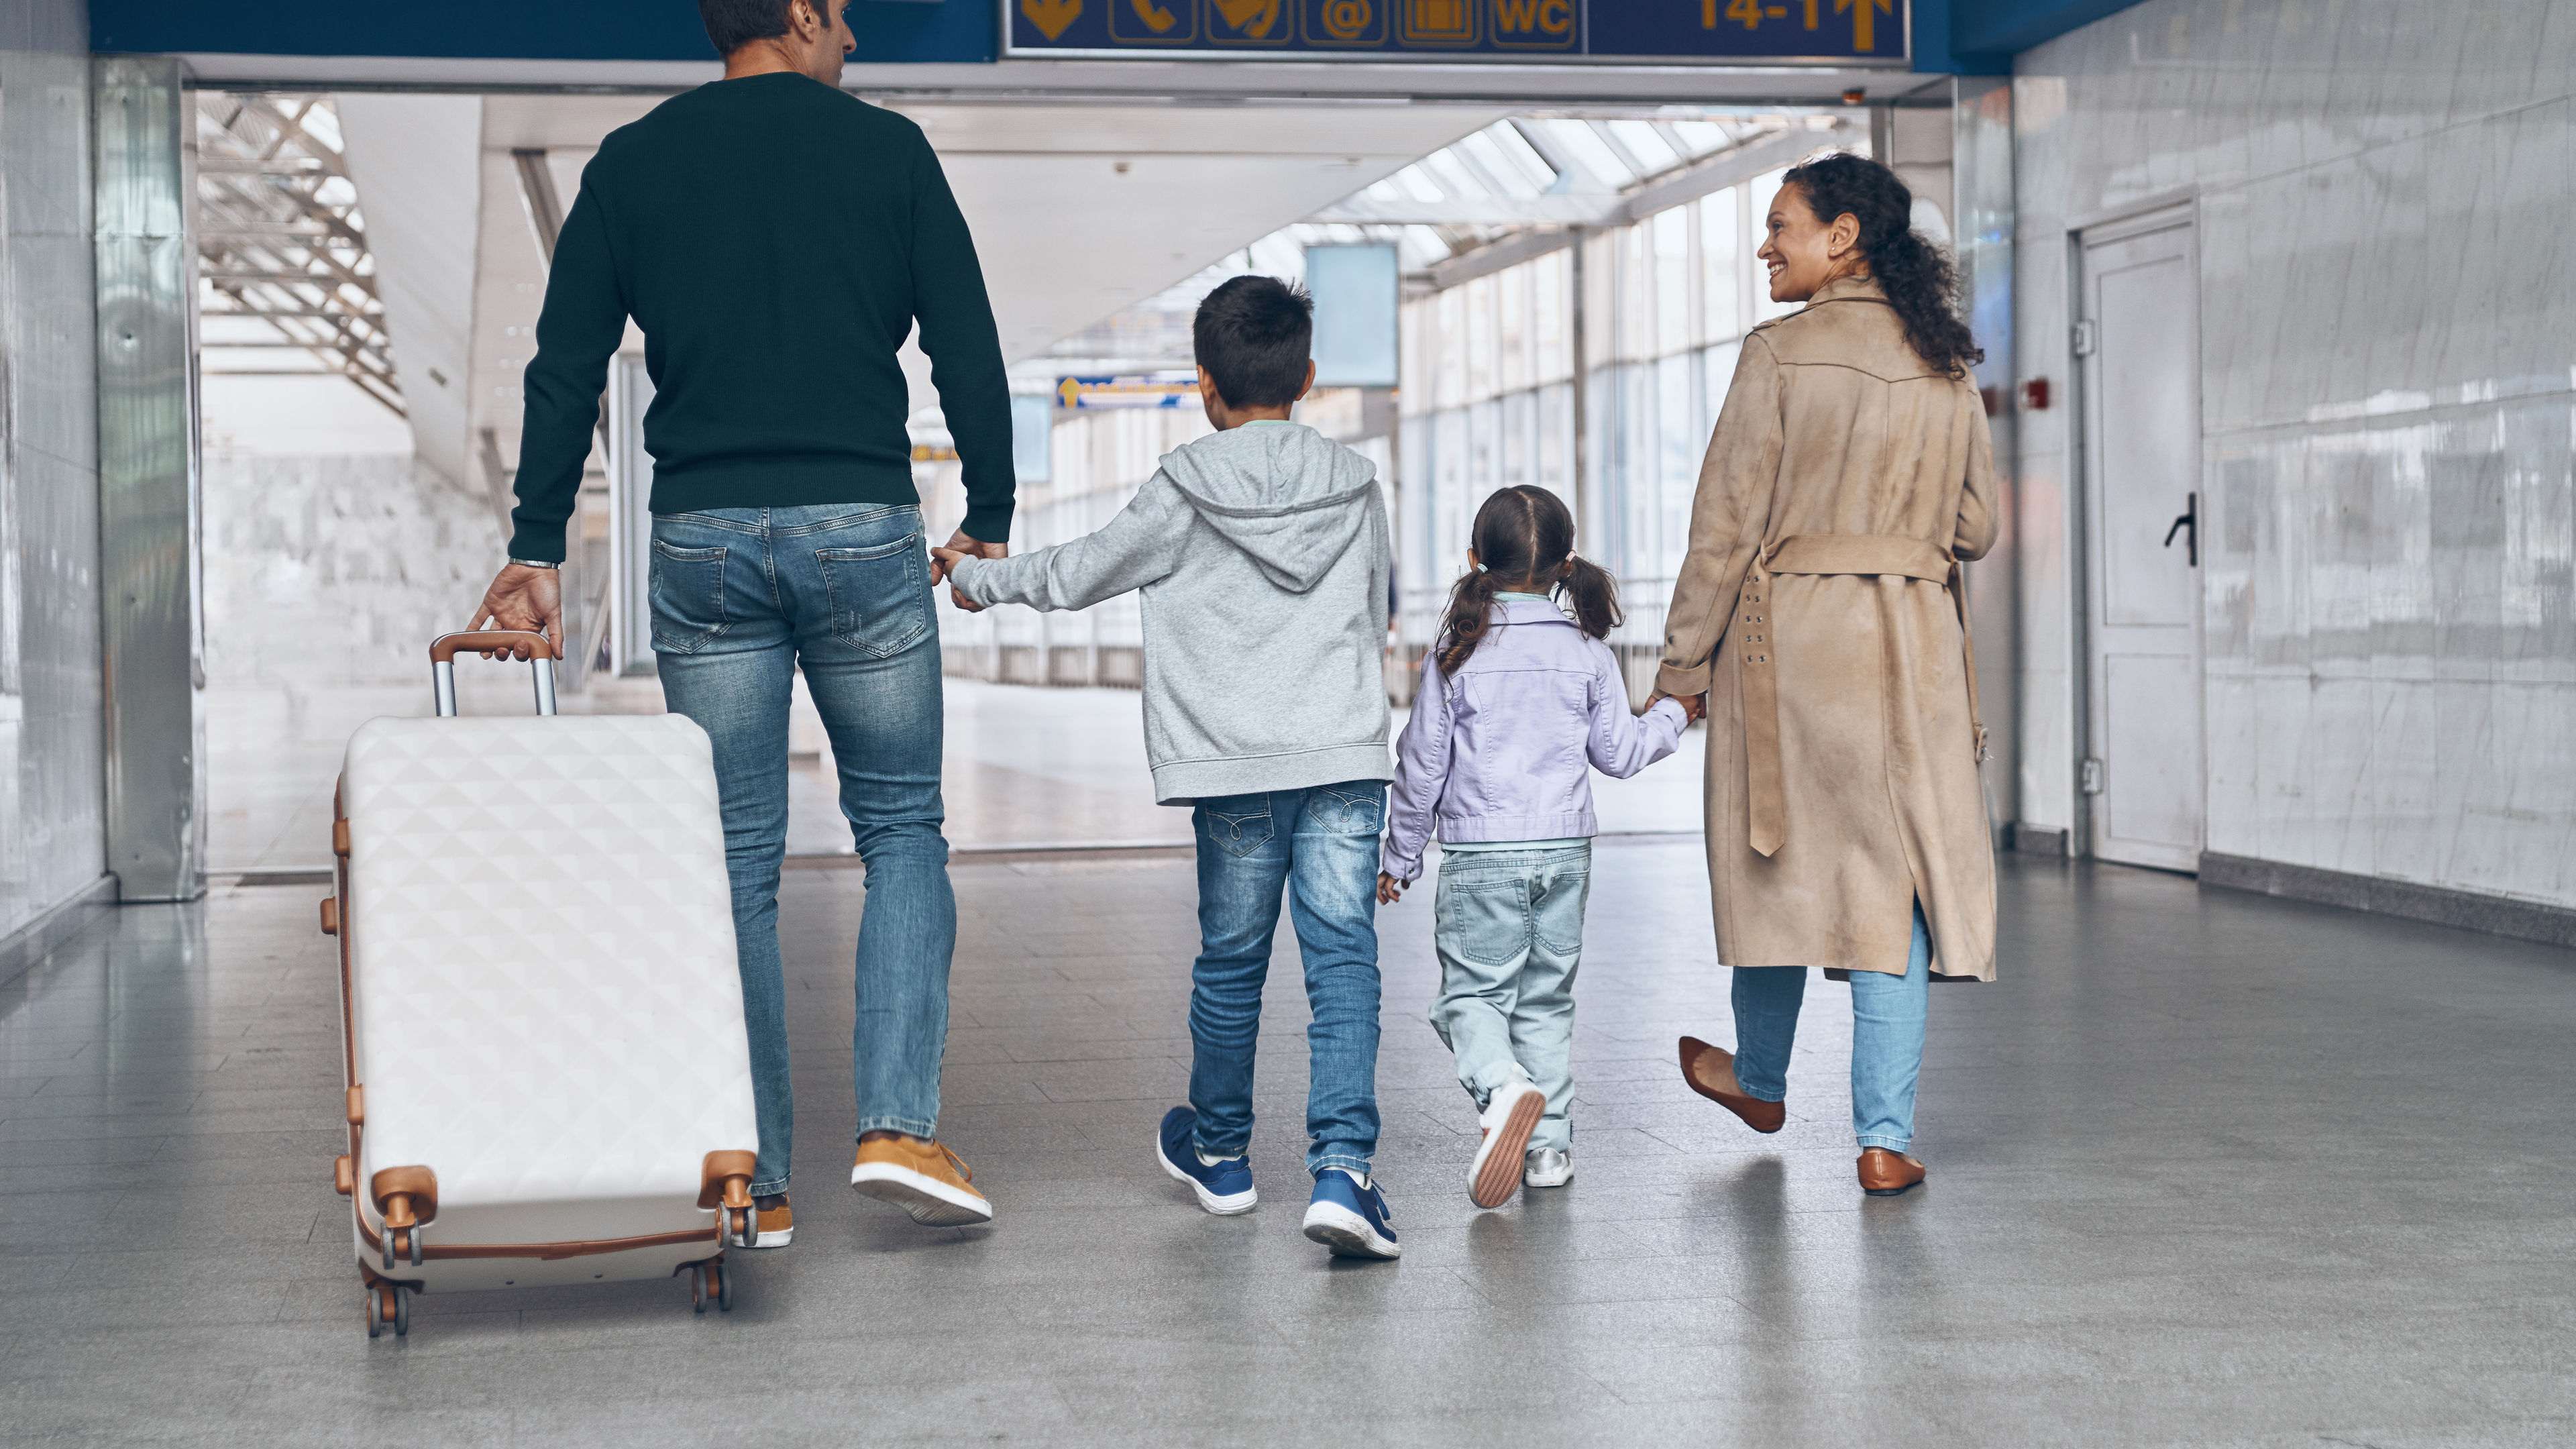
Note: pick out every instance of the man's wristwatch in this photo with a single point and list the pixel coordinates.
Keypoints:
(535, 563)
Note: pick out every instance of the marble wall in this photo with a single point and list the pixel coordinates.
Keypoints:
(52, 845)
(2388, 302)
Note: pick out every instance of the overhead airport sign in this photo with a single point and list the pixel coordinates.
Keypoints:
(1706, 32)
(1152, 390)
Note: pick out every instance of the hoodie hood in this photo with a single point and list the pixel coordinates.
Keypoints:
(1289, 497)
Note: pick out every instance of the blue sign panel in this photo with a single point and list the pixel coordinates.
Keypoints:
(1842, 32)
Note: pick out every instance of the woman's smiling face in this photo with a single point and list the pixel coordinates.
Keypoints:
(1803, 253)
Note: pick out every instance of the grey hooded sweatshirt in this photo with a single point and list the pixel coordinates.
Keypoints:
(1260, 556)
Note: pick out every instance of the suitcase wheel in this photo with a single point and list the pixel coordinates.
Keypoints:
(711, 1281)
(388, 1303)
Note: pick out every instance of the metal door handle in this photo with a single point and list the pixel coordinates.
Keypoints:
(2190, 519)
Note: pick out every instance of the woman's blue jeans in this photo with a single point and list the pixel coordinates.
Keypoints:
(742, 597)
(1321, 845)
(1887, 1038)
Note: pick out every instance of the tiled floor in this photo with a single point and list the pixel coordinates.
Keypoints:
(2207, 1169)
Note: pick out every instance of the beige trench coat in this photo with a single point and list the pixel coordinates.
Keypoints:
(1818, 607)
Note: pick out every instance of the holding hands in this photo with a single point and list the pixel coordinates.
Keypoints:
(945, 558)
(1389, 889)
(1694, 706)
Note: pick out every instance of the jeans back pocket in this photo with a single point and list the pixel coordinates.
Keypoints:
(1235, 827)
(686, 588)
(880, 599)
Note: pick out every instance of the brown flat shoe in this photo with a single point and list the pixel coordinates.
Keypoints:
(1710, 1071)
(1885, 1174)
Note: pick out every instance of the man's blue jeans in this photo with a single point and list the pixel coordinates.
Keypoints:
(741, 597)
(1321, 844)
(1888, 1014)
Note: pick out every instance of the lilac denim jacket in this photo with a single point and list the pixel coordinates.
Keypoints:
(1505, 750)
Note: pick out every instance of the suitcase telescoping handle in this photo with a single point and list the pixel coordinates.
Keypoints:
(442, 663)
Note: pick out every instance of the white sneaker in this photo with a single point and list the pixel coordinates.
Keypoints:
(1510, 1116)
(1548, 1167)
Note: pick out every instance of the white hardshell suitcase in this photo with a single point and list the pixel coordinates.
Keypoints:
(548, 1079)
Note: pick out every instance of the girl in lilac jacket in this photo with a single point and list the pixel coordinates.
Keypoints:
(1518, 704)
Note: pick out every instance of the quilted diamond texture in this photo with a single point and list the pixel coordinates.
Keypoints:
(547, 1003)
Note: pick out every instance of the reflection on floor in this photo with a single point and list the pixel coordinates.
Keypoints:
(2206, 1168)
(1025, 767)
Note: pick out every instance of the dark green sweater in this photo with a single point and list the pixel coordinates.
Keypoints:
(775, 239)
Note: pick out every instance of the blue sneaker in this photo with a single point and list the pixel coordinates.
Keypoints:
(1350, 1219)
(1224, 1186)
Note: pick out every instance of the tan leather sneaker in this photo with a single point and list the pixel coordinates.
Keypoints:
(922, 1178)
(776, 1225)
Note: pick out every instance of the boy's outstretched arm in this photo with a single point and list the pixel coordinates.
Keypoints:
(1142, 544)
(1621, 743)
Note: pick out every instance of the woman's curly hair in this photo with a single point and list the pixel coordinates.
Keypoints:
(1916, 275)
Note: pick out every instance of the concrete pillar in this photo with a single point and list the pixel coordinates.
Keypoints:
(149, 473)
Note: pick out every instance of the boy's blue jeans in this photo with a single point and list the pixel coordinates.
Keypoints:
(741, 597)
(1509, 928)
(1887, 1038)
(1322, 845)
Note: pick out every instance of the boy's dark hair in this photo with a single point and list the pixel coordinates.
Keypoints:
(1254, 335)
(1524, 536)
(733, 24)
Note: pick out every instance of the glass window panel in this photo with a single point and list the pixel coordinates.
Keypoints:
(1670, 230)
(1677, 454)
(1512, 288)
(1414, 493)
(1515, 148)
(1551, 307)
(1449, 379)
(1499, 168)
(1449, 508)
(1588, 151)
(1636, 328)
(1701, 137)
(1413, 342)
(1640, 140)
(1514, 470)
(1419, 184)
(1444, 170)
(1555, 441)
(1480, 337)
(1600, 314)
(1484, 453)
(1721, 250)
(1634, 472)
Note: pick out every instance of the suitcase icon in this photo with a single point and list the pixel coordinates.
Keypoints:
(548, 1079)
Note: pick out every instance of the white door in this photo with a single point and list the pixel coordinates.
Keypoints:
(2140, 340)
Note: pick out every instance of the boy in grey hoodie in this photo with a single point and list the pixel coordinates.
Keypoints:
(1260, 557)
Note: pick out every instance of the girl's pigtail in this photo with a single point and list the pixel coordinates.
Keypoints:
(1471, 603)
(1594, 595)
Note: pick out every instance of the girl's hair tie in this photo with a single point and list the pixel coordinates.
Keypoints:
(1480, 568)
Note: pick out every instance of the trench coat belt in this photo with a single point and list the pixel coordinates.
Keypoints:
(1821, 553)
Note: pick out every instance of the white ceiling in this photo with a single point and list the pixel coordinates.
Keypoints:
(1078, 210)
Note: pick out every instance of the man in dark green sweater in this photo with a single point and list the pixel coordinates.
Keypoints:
(776, 240)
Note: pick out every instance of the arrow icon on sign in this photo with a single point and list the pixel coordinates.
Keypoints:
(1052, 16)
(1864, 23)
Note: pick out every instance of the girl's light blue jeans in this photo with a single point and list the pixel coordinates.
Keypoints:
(1509, 927)
(1887, 1038)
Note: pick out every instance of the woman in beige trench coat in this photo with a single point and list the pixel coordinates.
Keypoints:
(1819, 609)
